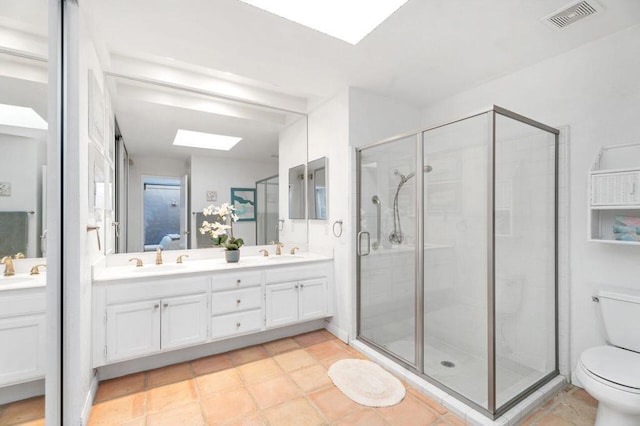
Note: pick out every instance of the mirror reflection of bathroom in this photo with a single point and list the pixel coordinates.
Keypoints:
(317, 188)
(164, 212)
(296, 192)
(267, 210)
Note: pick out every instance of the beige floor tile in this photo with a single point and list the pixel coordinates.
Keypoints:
(294, 360)
(274, 391)
(438, 408)
(583, 395)
(333, 404)
(224, 406)
(409, 411)
(118, 410)
(553, 420)
(18, 412)
(312, 338)
(293, 413)
(280, 346)
(311, 378)
(185, 415)
(211, 364)
(328, 362)
(219, 381)
(167, 375)
(575, 412)
(328, 349)
(366, 417)
(259, 371)
(453, 420)
(170, 396)
(120, 386)
(246, 355)
(253, 419)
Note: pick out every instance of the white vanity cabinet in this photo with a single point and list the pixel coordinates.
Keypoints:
(22, 335)
(146, 317)
(302, 296)
(236, 304)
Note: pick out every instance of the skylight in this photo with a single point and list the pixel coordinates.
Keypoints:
(348, 20)
(12, 115)
(205, 140)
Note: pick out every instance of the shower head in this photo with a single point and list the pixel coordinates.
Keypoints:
(375, 199)
(403, 179)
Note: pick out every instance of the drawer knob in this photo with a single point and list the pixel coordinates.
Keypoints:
(165, 305)
(238, 301)
(238, 324)
(156, 306)
(238, 282)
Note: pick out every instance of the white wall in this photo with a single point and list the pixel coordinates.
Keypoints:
(146, 166)
(220, 175)
(21, 165)
(594, 90)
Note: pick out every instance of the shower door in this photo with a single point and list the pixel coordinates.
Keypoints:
(386, 247)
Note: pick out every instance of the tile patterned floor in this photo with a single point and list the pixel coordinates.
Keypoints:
(278, 383)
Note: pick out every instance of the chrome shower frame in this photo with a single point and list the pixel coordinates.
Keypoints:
(492, 412)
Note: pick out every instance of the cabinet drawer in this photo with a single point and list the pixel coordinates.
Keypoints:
(236, 323)
(296, 273)
(22, 304)
(236, 280)
(236, 300)
(158, 288)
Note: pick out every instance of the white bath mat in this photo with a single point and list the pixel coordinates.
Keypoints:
(366, 383)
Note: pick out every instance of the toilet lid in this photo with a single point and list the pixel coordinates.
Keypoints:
(613, 364)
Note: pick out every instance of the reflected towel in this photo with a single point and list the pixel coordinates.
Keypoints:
(628, 221)
(174, 236)
(13, 233)
(621, 229)
(628, 237)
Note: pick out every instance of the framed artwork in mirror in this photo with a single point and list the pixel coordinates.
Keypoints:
(244, 201)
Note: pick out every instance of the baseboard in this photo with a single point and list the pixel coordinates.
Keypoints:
(338, 332)
(21, 391)
(88, 402)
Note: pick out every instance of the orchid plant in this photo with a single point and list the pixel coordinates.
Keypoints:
(221, 232)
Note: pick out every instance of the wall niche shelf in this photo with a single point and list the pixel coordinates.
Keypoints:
(614, 195)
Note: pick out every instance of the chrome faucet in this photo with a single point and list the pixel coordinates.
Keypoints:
(278, 247)
(8, 266)
(158, 256)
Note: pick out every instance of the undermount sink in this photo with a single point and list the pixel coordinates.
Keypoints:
(160, 268)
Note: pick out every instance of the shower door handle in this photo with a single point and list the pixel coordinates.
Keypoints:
(359, 245)
(376, 245)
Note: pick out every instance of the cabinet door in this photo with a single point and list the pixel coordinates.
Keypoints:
(184, 320)
(22, 348)
(133, 329)
(313, 299)
(282, 304)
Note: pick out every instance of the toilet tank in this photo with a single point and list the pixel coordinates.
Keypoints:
(620, 315)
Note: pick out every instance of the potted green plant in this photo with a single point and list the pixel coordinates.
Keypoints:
(221, 230)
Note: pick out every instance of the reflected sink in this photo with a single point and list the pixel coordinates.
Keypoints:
(160, 268)
(285, 257)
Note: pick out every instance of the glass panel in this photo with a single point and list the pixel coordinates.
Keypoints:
(524, 256)
(267, 210)
(388, 235)
(455, 256)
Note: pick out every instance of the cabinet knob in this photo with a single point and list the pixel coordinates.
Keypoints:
(165, 305)
(156, 306)
(238, 282)
(238, 324)
(297, 286)
(301, 285)
(238, 301)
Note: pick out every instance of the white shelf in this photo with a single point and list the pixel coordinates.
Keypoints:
(614, 190)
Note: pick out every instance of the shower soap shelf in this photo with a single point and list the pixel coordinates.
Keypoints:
(614, 195)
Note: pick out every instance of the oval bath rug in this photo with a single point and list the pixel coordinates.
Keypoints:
(366, 383)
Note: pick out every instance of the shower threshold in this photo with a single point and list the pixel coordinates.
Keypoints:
(464, 411)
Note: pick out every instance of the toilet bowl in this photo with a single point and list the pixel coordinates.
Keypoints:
(612, 376)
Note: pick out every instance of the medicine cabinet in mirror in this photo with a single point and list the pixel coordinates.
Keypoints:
(317, 188)
(296, 192)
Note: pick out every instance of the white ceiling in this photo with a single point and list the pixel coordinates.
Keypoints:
(428, 49)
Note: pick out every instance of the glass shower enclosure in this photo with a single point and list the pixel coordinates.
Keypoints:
(267, 207)
(457, 255)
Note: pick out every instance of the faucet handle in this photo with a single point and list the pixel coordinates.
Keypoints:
(264, 252)
(179, 259)
(35, 270)
(138, 261)
(158, 256)
(293, 250)
(19, 255)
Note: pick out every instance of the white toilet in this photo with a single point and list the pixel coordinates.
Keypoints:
(611, 374)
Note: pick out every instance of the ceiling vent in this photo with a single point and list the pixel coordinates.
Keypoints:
(573, 13)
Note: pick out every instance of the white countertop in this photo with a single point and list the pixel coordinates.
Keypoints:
(110, 273)
(22, 281)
